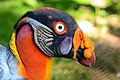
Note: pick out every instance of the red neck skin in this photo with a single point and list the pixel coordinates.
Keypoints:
(37, 65)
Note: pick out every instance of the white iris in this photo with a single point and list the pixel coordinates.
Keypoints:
(60, 27)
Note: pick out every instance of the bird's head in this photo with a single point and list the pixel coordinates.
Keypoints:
(57, 34)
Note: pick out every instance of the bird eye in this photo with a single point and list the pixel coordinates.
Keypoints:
(59, 28)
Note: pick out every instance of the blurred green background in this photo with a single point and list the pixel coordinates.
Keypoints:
(99, 19)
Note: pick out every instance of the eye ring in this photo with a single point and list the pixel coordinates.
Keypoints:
(59, 28)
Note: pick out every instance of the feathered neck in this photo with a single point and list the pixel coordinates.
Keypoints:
(8, 65)
(37, 65)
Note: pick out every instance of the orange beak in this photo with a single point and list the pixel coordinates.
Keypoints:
(87, 58)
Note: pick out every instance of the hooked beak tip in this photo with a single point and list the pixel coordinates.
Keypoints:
(88, 62)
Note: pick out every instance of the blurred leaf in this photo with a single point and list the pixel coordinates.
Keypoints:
(32, 3)
(102, 13)
(83, 1)
(101, 3)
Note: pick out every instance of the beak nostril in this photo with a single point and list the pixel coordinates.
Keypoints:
(80, 52)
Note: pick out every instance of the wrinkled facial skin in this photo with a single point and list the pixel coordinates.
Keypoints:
(71, 43)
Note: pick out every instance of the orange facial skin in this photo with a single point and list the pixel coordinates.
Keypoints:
(83, 42)
(37, 65)
(88, 46)
(77, 41)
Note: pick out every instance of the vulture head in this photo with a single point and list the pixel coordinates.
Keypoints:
(56, 34)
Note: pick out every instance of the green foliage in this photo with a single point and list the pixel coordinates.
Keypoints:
(70, 70)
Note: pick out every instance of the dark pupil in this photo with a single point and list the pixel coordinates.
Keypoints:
(60, 27)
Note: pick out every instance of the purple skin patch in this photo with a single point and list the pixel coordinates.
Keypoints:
(66, 45)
